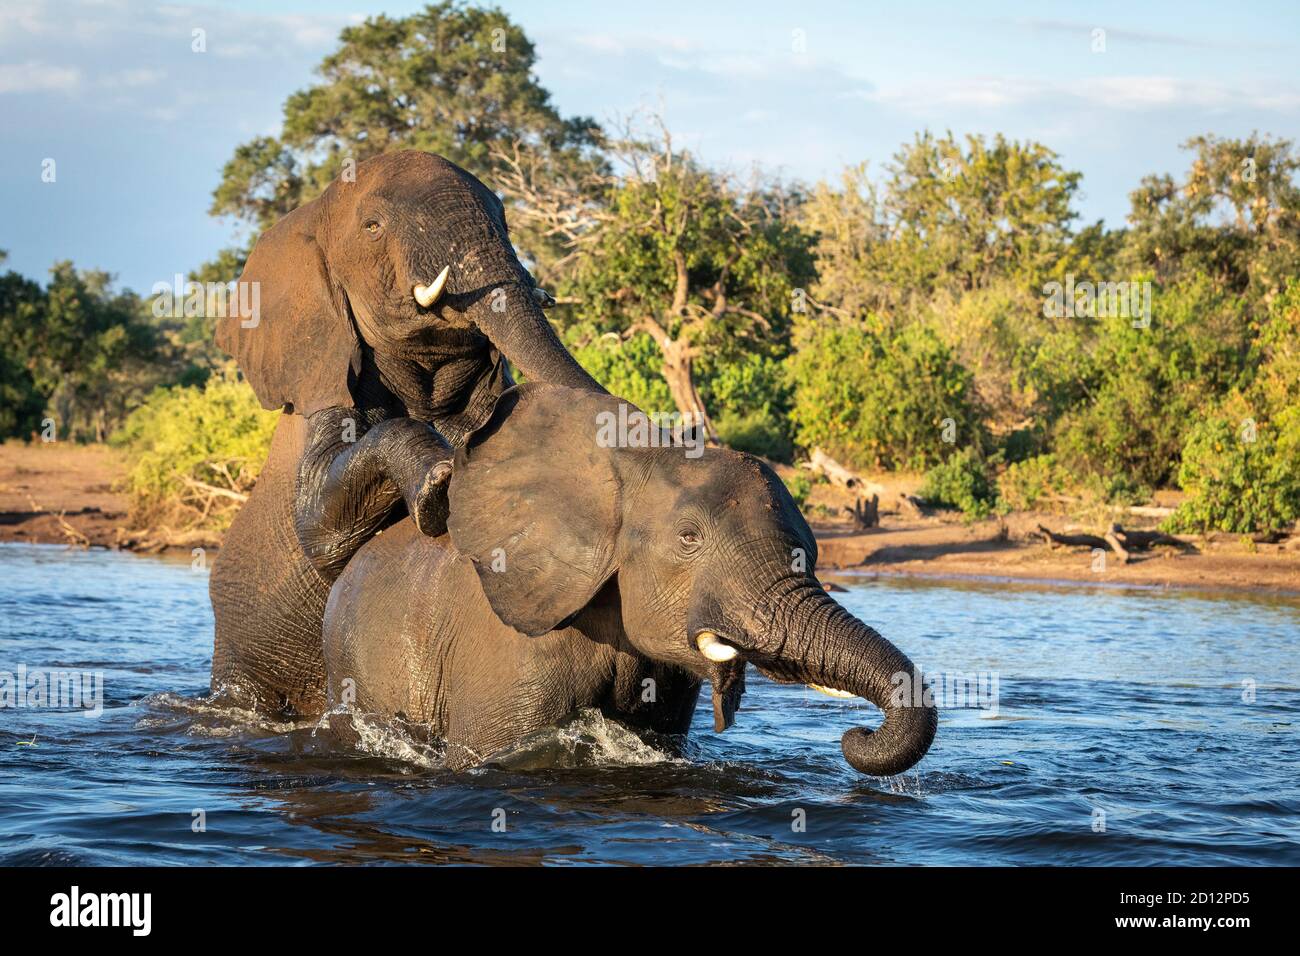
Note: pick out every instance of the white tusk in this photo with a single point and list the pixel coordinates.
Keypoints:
(427, 295)
(714, 649)
(831, 691)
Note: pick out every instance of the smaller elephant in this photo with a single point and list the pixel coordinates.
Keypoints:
(578, 575)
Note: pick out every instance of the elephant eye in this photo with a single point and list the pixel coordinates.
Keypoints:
(689, 539)
(373, 227)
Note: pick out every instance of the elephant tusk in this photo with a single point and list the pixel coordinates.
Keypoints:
(831, 691)
(714, 649)
(427, 295)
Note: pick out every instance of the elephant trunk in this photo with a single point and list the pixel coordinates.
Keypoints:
(820, 643)
(512, 318)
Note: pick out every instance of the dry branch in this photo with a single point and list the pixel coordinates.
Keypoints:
(865, 513)
(820, 463)
(212, 491)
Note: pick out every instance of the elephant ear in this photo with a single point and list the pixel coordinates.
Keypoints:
(535, 505)
(291, 332)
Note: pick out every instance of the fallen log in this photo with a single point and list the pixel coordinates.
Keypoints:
(910, 504)
(1145, 540)
(1150, 511)
(212, 490)
(1075, 540)
(820, 463)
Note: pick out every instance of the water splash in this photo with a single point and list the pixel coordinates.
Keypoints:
(588, 739)
(413, 745)
(212, 715)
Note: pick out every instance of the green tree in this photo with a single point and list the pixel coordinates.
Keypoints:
(946, 217)
(876, 396)
(97, 353)
(77, 351)
(22, 305)
(707, 268)
(1143, 387)
(187, 342)
(1233, 217)
(453, 79)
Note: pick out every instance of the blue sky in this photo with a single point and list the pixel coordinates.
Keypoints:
(139, 125)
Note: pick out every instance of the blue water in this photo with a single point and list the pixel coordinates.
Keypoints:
(1124, 732)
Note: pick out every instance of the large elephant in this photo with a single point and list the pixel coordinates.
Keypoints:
(383, 310)
(580, 572)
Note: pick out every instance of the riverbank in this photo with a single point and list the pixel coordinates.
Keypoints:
(60, 493)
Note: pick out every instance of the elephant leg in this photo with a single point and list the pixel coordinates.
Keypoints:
(267, 599)
(348, 487)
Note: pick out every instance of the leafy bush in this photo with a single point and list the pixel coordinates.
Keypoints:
(193, 452)
(1241, 465)
(1238, 485)
(876, 397)
(800, 487)
(1148, 384)
(757, 432)
(749, 401)
(1026, 484)
(628, 368)
(961, 482)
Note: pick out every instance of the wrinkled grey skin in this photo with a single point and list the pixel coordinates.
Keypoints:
(571, 574)
(377, 391)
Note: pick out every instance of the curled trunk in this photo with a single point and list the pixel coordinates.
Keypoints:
(818, 642)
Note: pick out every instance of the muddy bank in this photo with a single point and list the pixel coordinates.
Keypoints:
(934, 547)
(62, 493)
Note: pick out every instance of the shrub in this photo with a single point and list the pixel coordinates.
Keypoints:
(757, 432)
(876, 397)
(187, 447)
(628, 368)
(800, 487)
(1241, 465)
(961, 482)
(749, 401)
(1237, 484)
(1149, 385)
(1026, 484)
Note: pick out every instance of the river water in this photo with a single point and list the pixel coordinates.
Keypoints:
(1080, 725)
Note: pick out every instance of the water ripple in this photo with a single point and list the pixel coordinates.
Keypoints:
(1128, 727)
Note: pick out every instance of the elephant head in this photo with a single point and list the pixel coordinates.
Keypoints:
(409, 257)
(709, 553)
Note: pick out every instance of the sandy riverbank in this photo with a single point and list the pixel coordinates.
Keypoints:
(64, 494)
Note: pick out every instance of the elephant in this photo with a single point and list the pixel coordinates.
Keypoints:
(583, 572)
(377, 318)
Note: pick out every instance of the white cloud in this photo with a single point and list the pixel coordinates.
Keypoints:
(132, 78)
(1130, 93)
(27, 18)
(1083, 31)
(34, 77)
